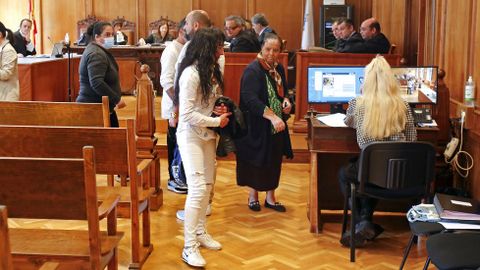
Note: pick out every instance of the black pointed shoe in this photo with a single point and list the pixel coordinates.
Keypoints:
(276, 206)
(254, 206)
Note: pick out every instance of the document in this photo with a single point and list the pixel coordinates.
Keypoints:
(459, 226)
(333, 120)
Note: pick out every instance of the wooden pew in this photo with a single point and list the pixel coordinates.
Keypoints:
(5, 253)
(63, 189)
(69, 114)
(305, 59)
(115, 154)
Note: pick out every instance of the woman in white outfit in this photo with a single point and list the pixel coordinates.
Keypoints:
(9, 89)
(199, 84)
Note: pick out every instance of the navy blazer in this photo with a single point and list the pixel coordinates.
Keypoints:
(21, 44)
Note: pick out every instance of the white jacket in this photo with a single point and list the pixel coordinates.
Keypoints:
(9, 87)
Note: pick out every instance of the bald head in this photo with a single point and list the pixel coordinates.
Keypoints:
(369, 28)
(196, 19)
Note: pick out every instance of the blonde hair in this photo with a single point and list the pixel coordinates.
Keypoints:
(385, 113)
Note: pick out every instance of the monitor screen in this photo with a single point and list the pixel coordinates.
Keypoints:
(418, 85)
(333, 84)
(339, 84)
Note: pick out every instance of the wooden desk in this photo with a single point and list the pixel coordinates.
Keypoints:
(45, 79)
(127, 58)
(305, 59)
(330, 148)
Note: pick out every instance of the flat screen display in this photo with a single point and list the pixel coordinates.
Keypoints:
(418, 85)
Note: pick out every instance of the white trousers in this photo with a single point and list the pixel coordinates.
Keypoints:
(198, 157)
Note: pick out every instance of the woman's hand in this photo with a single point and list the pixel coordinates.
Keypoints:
(286, 106)
(121, 104)
(219, 110)
(277, 123)
(224, 119)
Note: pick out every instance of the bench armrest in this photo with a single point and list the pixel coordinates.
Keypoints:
(108, 205)
(143, 165)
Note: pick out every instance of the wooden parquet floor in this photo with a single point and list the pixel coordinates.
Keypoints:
(264, 240)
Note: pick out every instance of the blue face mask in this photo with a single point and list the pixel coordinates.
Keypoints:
(108, 42)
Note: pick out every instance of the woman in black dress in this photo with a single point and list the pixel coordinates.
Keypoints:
(263, 100)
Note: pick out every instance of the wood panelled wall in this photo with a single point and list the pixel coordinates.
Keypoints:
(57, 17)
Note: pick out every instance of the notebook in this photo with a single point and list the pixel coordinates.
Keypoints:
(457, 208)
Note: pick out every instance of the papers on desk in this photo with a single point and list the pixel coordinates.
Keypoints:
(433, 124)
(333, 120)
(460, 226)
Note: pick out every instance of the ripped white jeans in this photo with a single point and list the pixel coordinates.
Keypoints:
(198, 157)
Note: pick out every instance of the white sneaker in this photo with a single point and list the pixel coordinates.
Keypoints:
(181, 215)
(207, 241)
(193, 257)
(209, 209)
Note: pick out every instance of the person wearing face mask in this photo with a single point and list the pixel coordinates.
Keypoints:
(23, 44)
(99, 71)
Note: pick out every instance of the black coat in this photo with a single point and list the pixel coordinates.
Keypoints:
(377, 44)
(98, 76)
(262, 36)
(354, 44)
(245, 41)
(255, 147)
(21, 44)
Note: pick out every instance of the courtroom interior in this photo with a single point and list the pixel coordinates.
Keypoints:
(248, 134)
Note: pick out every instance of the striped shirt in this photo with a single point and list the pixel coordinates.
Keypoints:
(354, 119)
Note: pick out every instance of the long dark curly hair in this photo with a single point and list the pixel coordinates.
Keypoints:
(201, 53)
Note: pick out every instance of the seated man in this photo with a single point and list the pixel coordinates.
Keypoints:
(240, 40)
(375, 41)
(23, 45)
(119, 38)
(350, 40)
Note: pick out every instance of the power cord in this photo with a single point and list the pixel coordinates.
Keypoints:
(455, 161)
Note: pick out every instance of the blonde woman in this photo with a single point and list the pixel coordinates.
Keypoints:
(379, 114)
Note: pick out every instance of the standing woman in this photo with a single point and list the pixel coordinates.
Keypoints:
(263, 99)
(9, 88)
(99, 71)
(199, 84)
(379, 114)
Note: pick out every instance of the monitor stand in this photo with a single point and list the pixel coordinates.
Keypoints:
(337, 108)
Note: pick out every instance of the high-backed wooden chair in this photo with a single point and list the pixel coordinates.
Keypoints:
(172, 26)
(83, 24)
(128, 28)
(115, 154)
(392, 49)
(63, 189)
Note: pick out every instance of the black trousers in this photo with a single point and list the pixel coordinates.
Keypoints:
(171, 143)
(114, 119)
(365, 205)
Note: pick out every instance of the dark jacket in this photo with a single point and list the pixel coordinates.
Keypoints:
(262, 36)
(21, 44)
(245, 42)
(156, 38)
(255, 147)
(377, 44)
(98, 76)
(354, 44)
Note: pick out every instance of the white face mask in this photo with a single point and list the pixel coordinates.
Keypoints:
(108, 42)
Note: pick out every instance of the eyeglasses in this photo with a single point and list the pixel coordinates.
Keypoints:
(230, 28)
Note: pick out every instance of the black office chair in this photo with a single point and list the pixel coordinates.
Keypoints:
(449, 251)
(391, 170)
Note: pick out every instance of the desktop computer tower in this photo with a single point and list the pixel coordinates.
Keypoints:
(328, 14)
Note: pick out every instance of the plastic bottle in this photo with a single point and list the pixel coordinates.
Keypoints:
(469, 95)
(67, 39)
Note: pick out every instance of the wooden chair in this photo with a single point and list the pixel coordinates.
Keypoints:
(83, 24)
(63, 189)
(172, 26)
(115, 154)
(128, 28)
(392, 49)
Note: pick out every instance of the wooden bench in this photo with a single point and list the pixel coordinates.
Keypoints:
(115, 154)
(5, 254)
(78, 114)
(63, 189)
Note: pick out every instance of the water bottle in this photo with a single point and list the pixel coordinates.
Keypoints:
(469, 95)
(67, 39)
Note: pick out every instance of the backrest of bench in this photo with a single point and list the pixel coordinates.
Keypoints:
(110, 144)
(5, 253)
(54, 113)
(43, 188)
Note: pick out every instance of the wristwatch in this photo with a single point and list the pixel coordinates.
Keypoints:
(173, 115)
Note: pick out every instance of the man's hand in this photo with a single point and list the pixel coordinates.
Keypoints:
(121, 104)
(219, 110)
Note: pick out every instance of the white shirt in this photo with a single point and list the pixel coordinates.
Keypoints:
(167, 77)
(195, 115)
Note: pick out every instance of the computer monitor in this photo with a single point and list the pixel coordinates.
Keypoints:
(334, 84)
(418, 85)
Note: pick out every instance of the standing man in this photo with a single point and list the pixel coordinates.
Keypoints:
(351, 40)
(23, 43)
(167, 79)
(261, 27)
(375, 41)
(240, 40)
